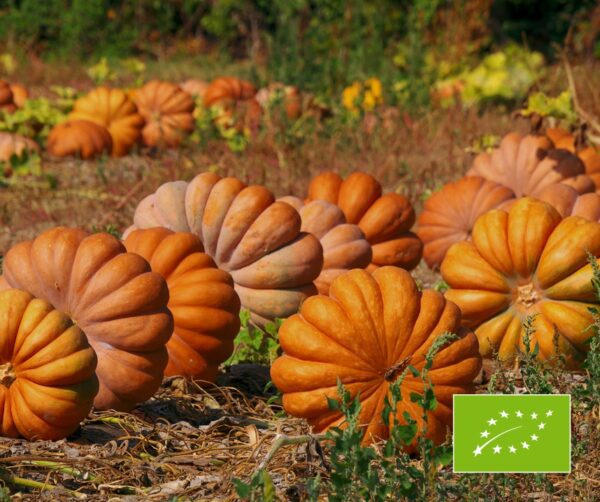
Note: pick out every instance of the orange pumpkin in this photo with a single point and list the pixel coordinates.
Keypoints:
(526, 262)
(384, 219)
(202, 300)
(80, 138)
(112, 109)
(167, 111)
(111, 295)
(13, 144)
(568, 202)
(235, 100)
(366, 333)
(195, 88)
(248, 234)
(344, 245)
(47, 369)
(20, 95)
(448, 215)
(7, 102)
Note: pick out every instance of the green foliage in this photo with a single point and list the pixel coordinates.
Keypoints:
(111, 229)
(559, 108)
(536, 375)
(26, 164)
(260, 488)
(254, 345)
(34, 120)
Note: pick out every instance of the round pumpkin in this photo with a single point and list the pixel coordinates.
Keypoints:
(47, 369)
(112, 109)
(344, 245)
(568, 202)
(195, 88)
(112, 295)
(526, 262)
(20, 95)
(527, 164)
(366, 333)
(384, 219)
(449, 215)
(80, 138)
(14, 144)
(248, 234)
(202, 300)
(7, 103)
(167, 110)
(227, 90)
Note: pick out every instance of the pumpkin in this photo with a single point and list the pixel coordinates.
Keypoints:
(449, 214)
(47, 369)
(202, 300)
(526, 262)
(167, 111)
(80, 138)
(236, 103)
(195, 88)
(344, 245)
(248, 234)
(366, 333)
(384, 219)
(527, 164)
(288, 95)
(112, 109)
(20, 95)
(568, 202)
(112, 295)
(7, 103)
(14, 144)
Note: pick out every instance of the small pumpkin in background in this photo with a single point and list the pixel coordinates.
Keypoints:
(384, 219)
(112, 295)
(235, 100)
(202, 300)
(449, 215)
(112, 109)
(167, 110)
(14, 144)
(7, 102)
(288, 95)
(526, 263)
(47, 370)
(79, 138)
(366, 333)
(195, 88)
(20, 95)
(568, 202)
(344, 245)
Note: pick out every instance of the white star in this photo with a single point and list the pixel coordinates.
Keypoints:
(534, 437)
(519, 414)
(477, 451)
(549, 413)
(541, 426)
(525, 445)
(485, 434)
(512, 449)
(503, 414)
(491, 421)
(533, 416)
(497, 449)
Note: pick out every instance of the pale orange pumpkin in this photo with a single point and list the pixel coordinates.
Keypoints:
(80, 138)
(568, 202)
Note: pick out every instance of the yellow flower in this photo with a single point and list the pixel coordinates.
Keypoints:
(351, 95)
(373, 94)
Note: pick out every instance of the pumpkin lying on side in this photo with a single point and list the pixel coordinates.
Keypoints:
(521, 263)
(248, 234)
(449, 215)
(79, 138)
(366, 333)
(344, 245)
(167, 110)
(7, 103)
(384, 219)
(202, 300)
(568, 202)
(112, 109)
(47, 370)
(112, 295)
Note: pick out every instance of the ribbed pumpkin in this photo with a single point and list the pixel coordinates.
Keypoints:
(526, 262)
(344, 245)
(527, 164)
(248, 234)
(112, 295)
(47, 369)
(202, 300)
(167, 110)
(366, 333)
(568, 202)
(235, 99)
(112, 109)
(80, 138)
(14, 144)
(7, 102)
(449, 214)
(384, 219)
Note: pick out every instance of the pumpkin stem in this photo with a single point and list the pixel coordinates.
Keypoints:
(392, 372)
(527, 295)
(7, 374)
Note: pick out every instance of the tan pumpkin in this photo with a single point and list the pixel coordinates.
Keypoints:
(521, 263)
(248, 234)
(20, 95)
(568, 202)
(112, 295)
(449, 215)
(7, 102)
(202, 300)
(384, 219)
(47, 369)
(167, 110)
(366, 333)
(344, 245)
(195, 88)
(14, 144)
(79, 138)
(112, 109)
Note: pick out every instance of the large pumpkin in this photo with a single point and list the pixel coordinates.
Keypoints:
(167, 110)
(248, 234)
(112, 295)
(80, 138)
(449, 215)
(366, 333)
(527, 164)
(568, 202)
(202, 300)
(47, 369)
(521, 263)
(344, 245)
(112, 109)
(384, 219)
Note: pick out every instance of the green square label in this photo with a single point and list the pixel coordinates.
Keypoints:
(512, 433)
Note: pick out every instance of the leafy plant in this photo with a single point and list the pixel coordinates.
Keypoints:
(26, 164)
(34, 120)
(254, 345)
(558, 109)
